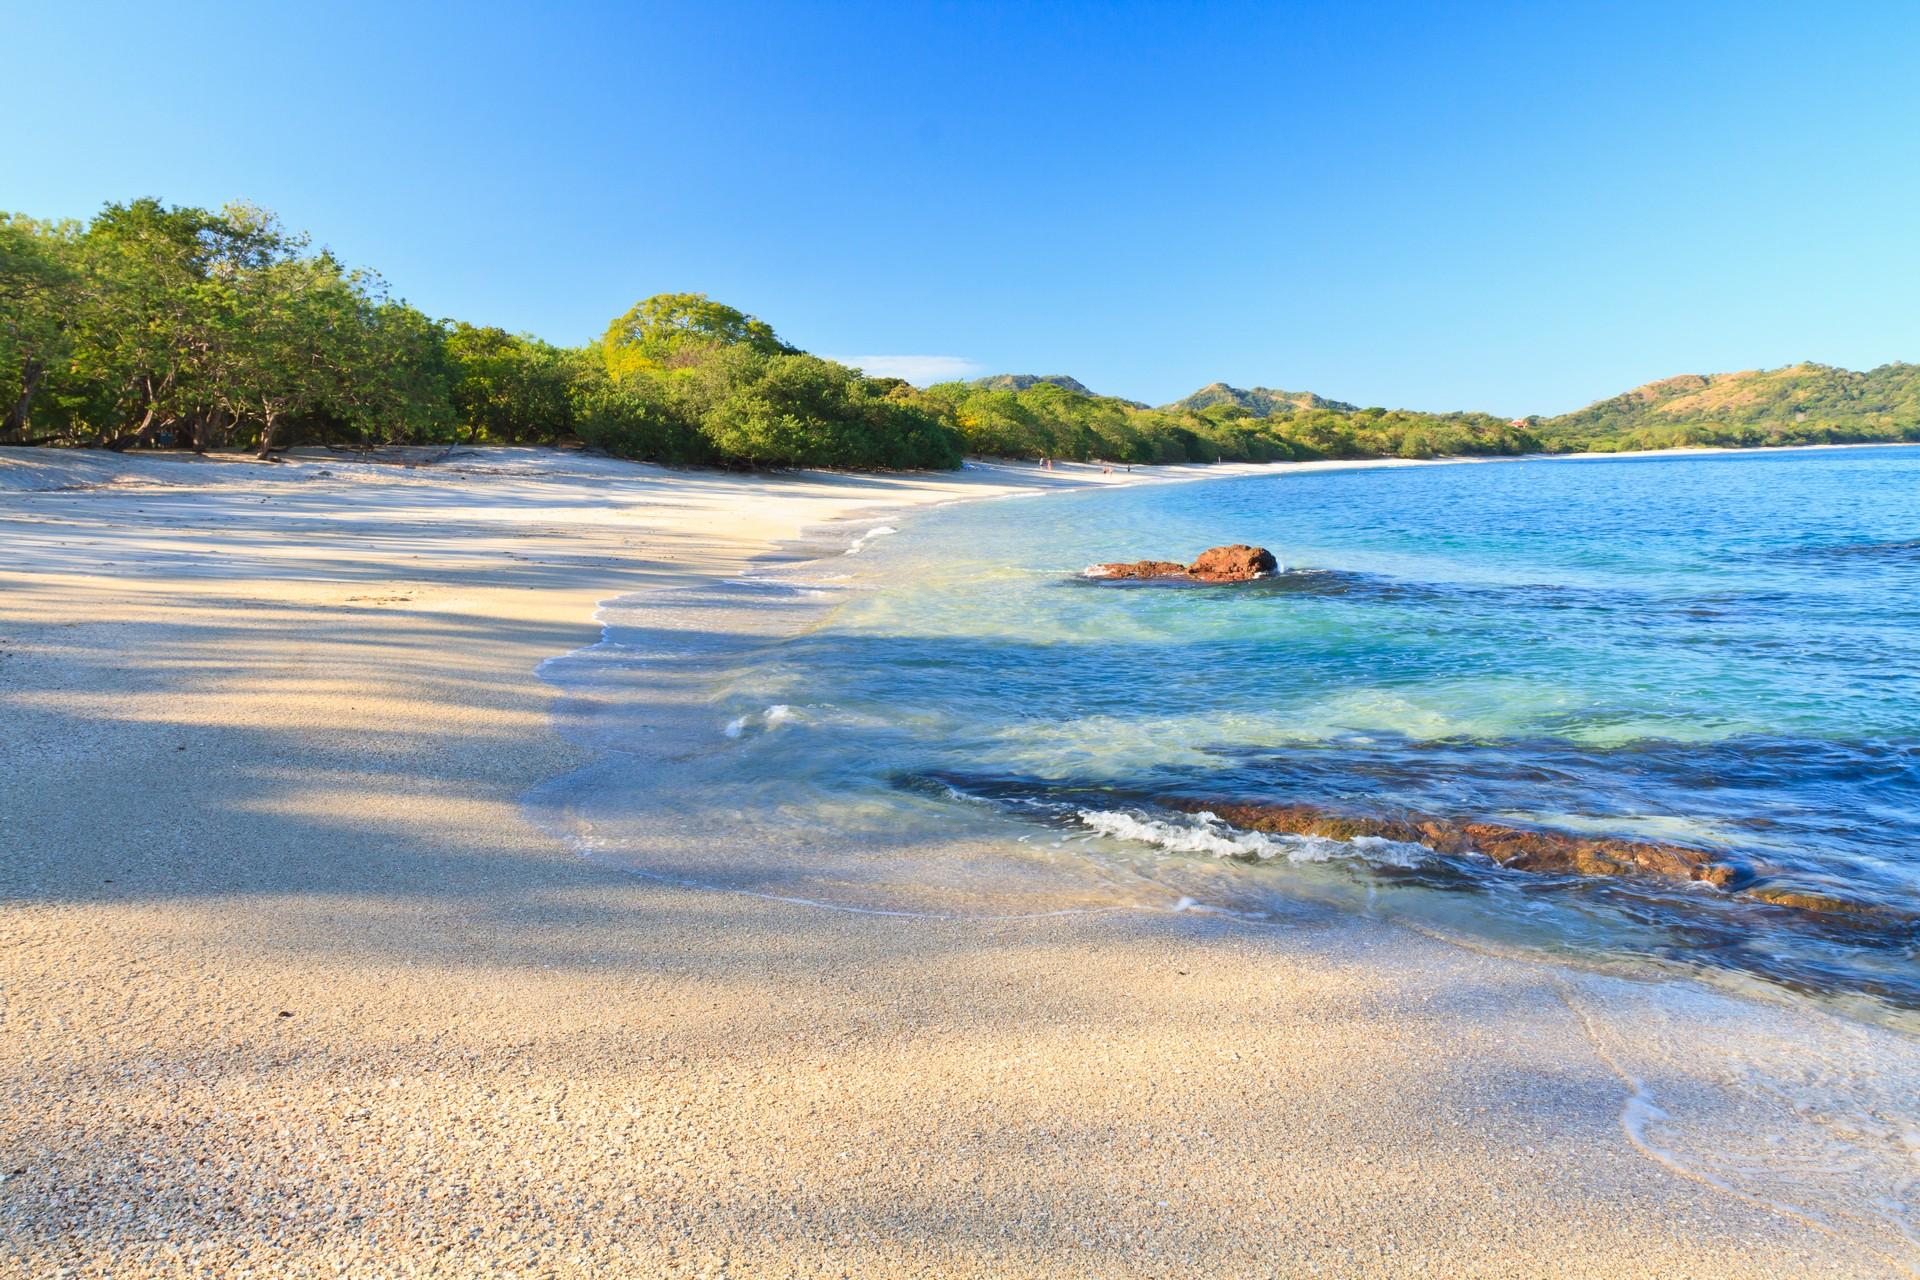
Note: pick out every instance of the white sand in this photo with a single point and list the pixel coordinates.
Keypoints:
(290, 988)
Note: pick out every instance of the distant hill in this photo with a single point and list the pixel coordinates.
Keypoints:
(1024, 381)
(1762, 401)
(1798, 404)
(1021, 416)
(1261, 402)
(1021, 381)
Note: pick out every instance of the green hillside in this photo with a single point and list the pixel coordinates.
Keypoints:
(1798, 404)
(1021, 381)
(1259, 401)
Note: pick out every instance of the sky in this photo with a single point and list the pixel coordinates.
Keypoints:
(1515, 208)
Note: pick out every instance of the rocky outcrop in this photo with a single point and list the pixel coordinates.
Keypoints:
(1140, 569)
(1237, 563)
(1835, 910)
(1550, 852)
(1522, 848)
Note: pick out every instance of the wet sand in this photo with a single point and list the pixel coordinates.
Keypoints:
(291, 987)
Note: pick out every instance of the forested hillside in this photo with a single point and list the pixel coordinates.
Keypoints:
(1800, 404)
(1046, 420)
(1022, 381)
(1259, 401)
(193, 328)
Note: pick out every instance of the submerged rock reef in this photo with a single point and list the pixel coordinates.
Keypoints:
(1236, 563)
(1522, 848)
(1549, 852)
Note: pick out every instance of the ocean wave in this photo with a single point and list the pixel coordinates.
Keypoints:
(1205, 833)
(1907, 549)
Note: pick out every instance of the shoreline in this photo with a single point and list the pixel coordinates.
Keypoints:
(301, 992)
(821, 545)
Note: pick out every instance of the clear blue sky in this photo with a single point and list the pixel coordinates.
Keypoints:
(1515, 207)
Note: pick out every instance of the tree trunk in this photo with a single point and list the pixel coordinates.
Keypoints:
(32, 372)
(266, 438)
(139, 435)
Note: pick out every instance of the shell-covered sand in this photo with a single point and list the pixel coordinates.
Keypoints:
(289, 987)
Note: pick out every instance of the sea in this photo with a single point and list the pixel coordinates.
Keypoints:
(1718, 652)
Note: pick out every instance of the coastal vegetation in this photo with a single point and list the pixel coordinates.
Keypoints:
(205, 329)
(1047, 420)
(154, 325)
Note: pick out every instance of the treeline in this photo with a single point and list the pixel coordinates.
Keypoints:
(203, 329)
(1047, 420)
(1721, 434)
(192, 328)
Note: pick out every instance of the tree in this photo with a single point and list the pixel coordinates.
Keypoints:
(147, 265)
(294, 320)
(636, 416)
(399, 384)
(672, 330)
(509, 387)
(251, 275)
(40, 292)
(800, 410)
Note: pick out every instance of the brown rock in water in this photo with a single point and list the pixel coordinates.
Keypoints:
(1522, 848)
(1140, 569)
(1238, 563)
(1553, 853)
(1781, 895)
(1558, 852)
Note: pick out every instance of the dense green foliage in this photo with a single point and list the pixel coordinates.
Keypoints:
(1047, 420)
(212, 330)
(205, 329)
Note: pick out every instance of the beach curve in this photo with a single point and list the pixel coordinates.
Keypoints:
(490, 1049)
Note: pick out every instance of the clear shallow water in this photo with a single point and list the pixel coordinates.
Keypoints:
(1721, 652)
(944, 720)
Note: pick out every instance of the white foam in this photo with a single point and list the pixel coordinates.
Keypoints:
(1206, 833)
(860, 542)
(772, 718)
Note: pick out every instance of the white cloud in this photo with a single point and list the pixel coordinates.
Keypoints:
(921, 371)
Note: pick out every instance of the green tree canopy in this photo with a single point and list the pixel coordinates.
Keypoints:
(40, 294)
(509, 387)
(673, 329)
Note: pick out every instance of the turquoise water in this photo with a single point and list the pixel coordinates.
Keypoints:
(1721, 652)
(948, 721)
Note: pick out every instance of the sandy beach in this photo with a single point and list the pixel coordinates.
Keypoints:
(290, 987)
